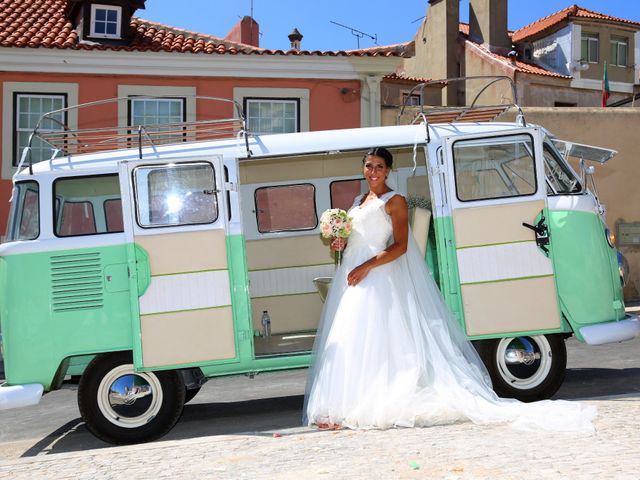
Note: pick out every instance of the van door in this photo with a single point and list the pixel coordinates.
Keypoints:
(496, 184)
(176, 220)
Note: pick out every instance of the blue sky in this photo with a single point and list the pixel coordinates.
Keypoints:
(391, 21)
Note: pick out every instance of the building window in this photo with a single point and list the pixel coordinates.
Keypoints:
(29, 108)
(156, 115)
(619, 48)
(173, 195)
(286, 208)
(590, 47)
(272, 115)
(411, 100)
(105, 21)
(497, 167)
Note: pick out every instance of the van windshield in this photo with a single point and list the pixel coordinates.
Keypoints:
(24, 217)
(560, 177)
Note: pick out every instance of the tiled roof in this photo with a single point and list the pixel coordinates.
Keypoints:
(518, 65)
(555, 19)
(405, 78)
(43, 24)
(396, 48)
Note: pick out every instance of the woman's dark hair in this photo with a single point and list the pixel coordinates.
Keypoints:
(381, 152)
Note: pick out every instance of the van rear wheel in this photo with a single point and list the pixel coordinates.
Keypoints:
(122, 406)
(528, 368)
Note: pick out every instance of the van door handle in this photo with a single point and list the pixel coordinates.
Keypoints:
(542, 233)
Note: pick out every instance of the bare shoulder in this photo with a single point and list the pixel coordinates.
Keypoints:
(397, 204)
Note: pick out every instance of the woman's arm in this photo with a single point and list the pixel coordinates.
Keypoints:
(397, 208)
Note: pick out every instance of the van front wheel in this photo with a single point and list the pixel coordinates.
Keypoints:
(528, 368)
(122, 406)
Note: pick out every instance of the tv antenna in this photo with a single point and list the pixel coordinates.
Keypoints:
(357, 33)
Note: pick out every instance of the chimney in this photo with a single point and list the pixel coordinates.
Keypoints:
(488, 25)
(295, 38)
(440, 44)
(245, 31)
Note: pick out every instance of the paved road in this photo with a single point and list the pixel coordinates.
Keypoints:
(228, 430)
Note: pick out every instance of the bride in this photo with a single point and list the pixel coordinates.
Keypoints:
(388, 353)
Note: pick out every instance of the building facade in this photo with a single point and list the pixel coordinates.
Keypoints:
(60, 53)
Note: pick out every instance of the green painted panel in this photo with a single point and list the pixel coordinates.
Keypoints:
(586, 268)
(56, 304)
(449, 278)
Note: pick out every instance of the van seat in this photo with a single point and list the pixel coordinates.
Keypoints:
(419, 221)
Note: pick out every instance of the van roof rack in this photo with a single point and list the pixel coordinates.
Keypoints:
(53, 129)
(450, 114)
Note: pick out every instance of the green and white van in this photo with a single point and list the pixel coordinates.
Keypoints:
(167, 264)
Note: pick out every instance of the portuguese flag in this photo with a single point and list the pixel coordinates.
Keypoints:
(606, 93)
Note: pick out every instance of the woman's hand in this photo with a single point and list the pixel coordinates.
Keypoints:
(338, 243)
(357, 274)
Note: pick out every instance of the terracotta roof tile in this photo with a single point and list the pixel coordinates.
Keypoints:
(43, 24)
(518, 65)
(550, 21)
(394, 77)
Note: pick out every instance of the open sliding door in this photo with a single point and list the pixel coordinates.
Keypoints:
(177, 229)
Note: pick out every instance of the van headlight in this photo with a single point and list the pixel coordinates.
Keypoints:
(623, 268)
(611, 238)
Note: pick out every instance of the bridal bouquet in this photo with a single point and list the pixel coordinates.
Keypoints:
(335, 223)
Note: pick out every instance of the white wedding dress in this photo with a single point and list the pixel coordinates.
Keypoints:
(390, 354)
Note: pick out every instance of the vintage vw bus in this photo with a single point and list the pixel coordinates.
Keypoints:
(165, 262)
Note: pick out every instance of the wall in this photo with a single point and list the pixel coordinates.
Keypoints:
(615, 73)
(554, 51)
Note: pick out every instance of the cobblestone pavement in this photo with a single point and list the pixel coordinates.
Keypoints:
(462, 451)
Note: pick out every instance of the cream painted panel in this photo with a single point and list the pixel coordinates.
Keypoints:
(420, 220)
(495, 223)
(287, 281)
(288, 252)
(187, 337)
(291, 313)
(282, 169)
(500, 262)
(314, 166)
(174, 252)
(513, 306)
(188, 291)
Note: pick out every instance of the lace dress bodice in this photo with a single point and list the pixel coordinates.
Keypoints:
(372, 227)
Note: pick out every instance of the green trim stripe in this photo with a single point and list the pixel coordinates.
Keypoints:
(495, 244)
(185, 310)
(291, 266)
(287, 294)
(186, 273)
(509, 279)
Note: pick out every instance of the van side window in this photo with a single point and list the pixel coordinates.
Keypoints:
(496, 167)
(81, 205)
(24, 219)
(286, 208)
(175, 194)
(344, 192)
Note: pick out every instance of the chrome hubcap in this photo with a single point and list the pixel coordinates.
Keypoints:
(524, 362)
(128, 399)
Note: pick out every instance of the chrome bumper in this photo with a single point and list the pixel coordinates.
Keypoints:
(17, 396)
(612, 332)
